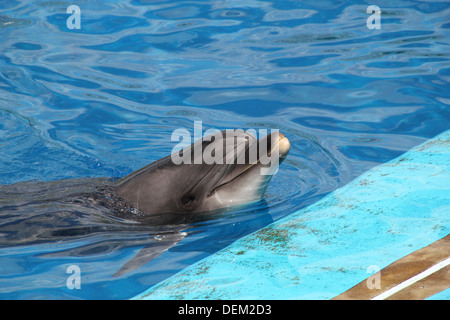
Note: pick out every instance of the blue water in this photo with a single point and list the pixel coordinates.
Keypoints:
(103, 101)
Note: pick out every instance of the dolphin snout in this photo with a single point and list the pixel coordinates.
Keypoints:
(283, 145)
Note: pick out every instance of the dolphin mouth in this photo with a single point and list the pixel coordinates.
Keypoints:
(281, 146)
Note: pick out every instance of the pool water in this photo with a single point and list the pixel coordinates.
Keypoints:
(103, 101)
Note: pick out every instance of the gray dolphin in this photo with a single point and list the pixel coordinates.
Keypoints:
(200, 185)
(160, 199)
(229, 178)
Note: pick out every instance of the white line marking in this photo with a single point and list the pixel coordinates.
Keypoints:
(412, 280)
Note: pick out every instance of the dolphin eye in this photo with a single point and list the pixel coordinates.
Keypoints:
(188, 201)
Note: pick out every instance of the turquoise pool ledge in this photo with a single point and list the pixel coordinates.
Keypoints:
(323, 250)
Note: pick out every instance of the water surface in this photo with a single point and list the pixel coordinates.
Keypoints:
(103, 101)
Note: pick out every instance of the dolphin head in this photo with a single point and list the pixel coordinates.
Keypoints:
(222, 170)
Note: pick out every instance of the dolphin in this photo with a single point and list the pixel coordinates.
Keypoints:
(199, 185)
(218, 172)
(202, 185)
